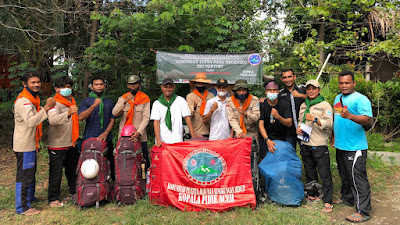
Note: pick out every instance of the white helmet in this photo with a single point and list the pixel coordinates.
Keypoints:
(90, 168)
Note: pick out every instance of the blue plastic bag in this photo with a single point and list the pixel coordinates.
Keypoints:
(282, 173)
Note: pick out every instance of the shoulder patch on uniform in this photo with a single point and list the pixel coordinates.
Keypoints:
(329, 113)
(27, 104)
(52, 109)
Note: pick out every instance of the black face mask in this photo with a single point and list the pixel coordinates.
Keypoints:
(201, 89)
(134, 91)
(241, 97)
(98, 93)
(32, 92)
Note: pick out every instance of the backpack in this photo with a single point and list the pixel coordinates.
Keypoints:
(129, 185)
(92, 191)
(282, 173)
(313, 188)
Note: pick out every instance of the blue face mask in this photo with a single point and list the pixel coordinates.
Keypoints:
(65, 92)
(272, 96)
(241, 97)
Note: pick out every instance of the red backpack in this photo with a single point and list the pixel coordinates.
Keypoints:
(129, 185)
(92, 191)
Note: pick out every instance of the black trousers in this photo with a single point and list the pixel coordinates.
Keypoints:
(145, 154)
(110, 158)
(60, 159)
(292, 139)
(25, 182)
(314, 157)
(353, 173)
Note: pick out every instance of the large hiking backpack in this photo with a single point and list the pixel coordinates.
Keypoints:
(129, 185)
(282, 173)
(92, 191)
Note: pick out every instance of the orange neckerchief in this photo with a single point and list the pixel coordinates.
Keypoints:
(140, 98)
(36, 102)
(245, 106)
(75, 122)
(203, 97)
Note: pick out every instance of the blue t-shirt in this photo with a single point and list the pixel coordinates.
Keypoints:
(93, 125)
(349, 135)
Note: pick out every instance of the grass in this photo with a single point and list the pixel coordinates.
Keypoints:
(380, 177)
(376, 143)
(145, 213)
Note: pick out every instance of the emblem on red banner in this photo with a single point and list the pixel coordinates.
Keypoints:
(204, 167)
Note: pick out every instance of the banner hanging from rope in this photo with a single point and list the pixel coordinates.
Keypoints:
(202, 175)
(182, 67)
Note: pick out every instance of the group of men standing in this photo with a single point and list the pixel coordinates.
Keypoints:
(226, 115)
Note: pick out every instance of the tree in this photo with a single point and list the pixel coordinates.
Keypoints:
(127, 41)
(36, 30)
(347, 29)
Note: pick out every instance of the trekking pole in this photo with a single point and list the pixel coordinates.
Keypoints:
(323, 66)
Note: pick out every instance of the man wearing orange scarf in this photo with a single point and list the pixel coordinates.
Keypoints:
(243, 111)
(197, 100)
(134, 108)
(28, 118)
(63, 134)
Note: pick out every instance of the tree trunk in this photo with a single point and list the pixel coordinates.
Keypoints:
(321, 38)
(93, 33)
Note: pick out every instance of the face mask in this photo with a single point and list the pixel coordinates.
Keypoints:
(65, 92)
(32, 92)
(134, 91)
(201, 89)
(221, 93)
(272, 96)
(98, 93)
(241, 97)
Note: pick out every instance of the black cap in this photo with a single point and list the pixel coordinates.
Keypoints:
(222, 82)
(167, 81)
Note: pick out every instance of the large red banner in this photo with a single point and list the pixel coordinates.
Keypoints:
(202, 175)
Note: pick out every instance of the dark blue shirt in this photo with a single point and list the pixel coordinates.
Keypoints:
(93, 126)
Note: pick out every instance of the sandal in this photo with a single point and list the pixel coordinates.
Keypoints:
(67, 199)
(30, 212)
(357, 218)
(56, 204)
(312, 199)
(328, 208)
(339, 201)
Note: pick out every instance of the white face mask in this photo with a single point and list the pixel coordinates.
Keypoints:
(65, 92)
(221, 93)
(272, 96)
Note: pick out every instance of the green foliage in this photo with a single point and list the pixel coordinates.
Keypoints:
(314, 28)
(17, 71)
(376, 142)
(126, 41)
(74, 70)
(385, 97)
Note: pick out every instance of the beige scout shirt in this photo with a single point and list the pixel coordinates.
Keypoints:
(26, 119)
(141, 117)
(197, 120)
(319, 134)
(60, 129)
(250, 121)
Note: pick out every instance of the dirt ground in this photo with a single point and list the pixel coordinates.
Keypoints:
(385, 208)
(385, 204)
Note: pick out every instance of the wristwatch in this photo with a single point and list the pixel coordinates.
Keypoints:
(266, 139)
(315, 120)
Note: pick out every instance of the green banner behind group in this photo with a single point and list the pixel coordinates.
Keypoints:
(182, 67)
